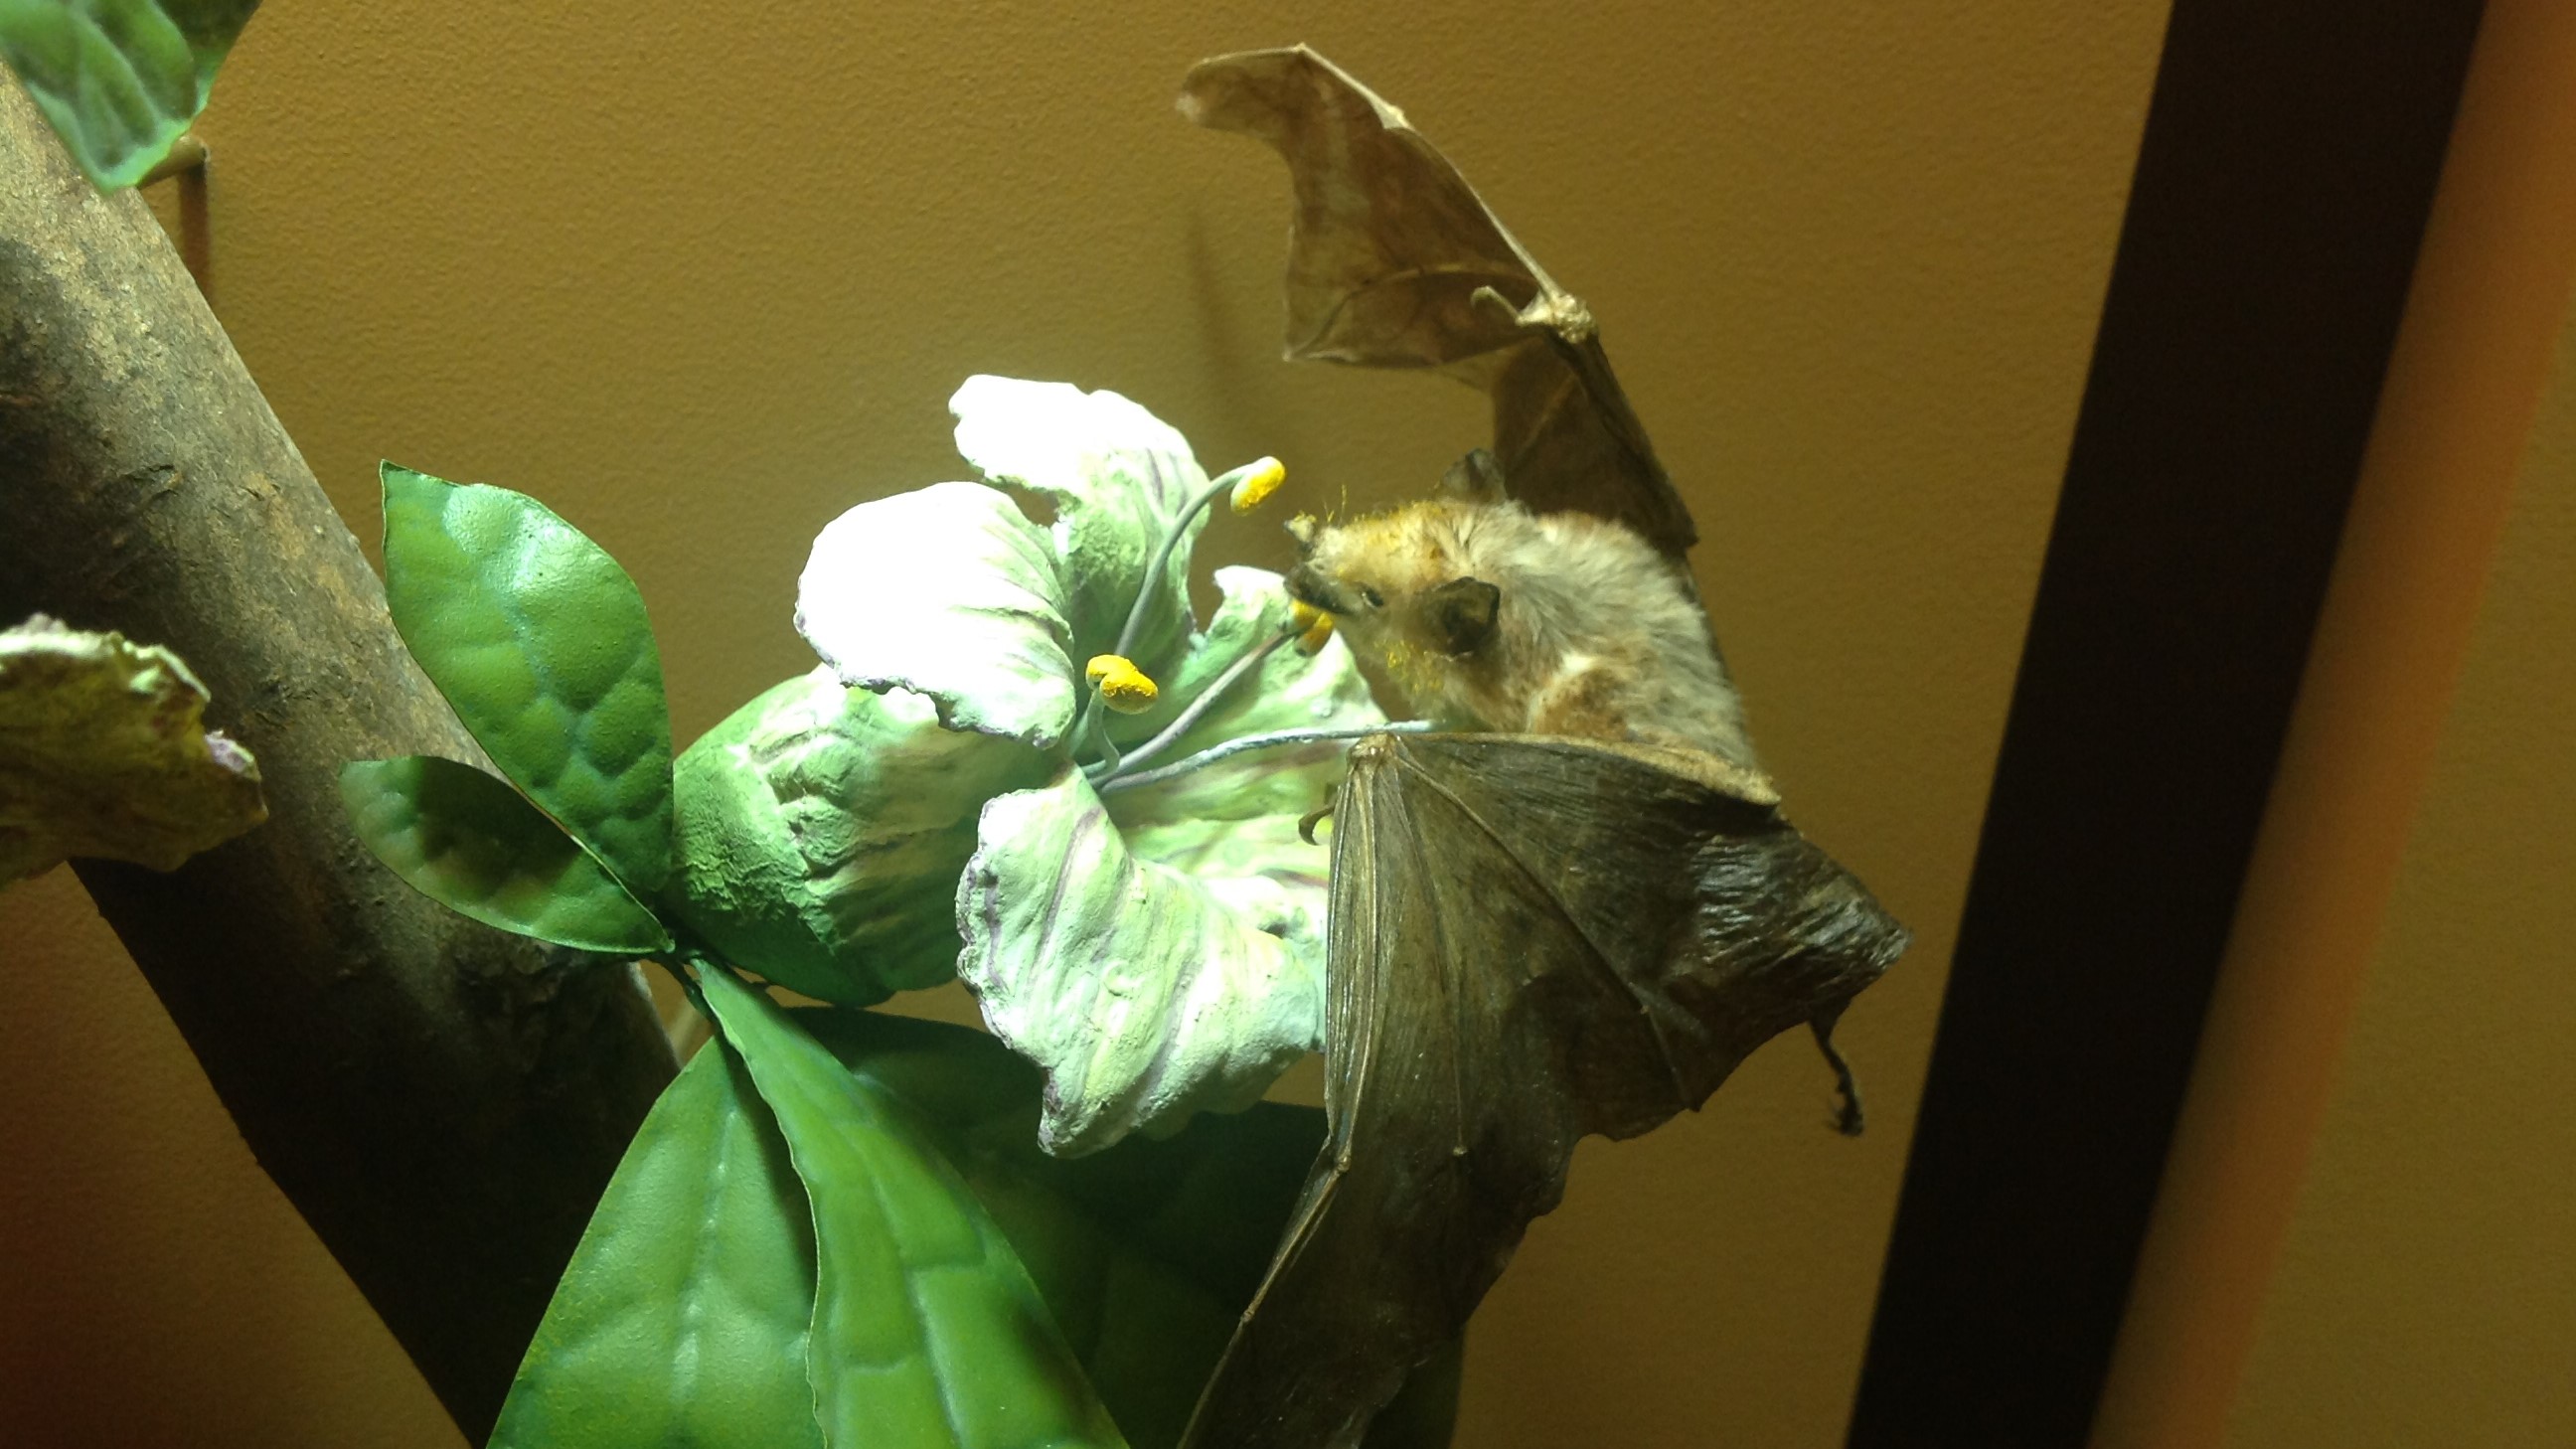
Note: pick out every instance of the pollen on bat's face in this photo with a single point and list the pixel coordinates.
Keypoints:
(1368, 573)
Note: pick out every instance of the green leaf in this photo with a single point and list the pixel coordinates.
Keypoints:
(822, 830)
(682, 1318)
(1118, 476)
(1145, 993)
(927, 1331)
(539, 640)
(951, 592)
(1146, 1253)
(104, 752)
(471, 843)
(119, 79)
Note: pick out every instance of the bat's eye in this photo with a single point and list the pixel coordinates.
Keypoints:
(1372, 597)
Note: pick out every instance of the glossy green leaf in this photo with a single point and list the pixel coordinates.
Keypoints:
(951, 592)
(682, 1319)
(119, 79)
(1146, 1253)
(1118, 478)
(927, 1331)
(822, 829)
(540, 641)
(470, 842)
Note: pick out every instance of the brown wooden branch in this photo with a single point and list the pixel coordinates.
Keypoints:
(441, 1102)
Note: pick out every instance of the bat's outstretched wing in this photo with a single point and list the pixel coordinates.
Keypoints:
(1394, 262)
(1531, 940)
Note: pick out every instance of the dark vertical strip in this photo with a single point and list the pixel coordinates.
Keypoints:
(2289, 160)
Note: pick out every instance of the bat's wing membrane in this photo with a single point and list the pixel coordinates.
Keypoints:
(1531, 940)
(1395, 262)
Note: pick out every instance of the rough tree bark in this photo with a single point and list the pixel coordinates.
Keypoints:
(441, 1103)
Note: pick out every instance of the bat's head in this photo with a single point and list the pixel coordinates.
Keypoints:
(1398, 581)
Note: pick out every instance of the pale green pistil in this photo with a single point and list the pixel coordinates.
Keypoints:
(1118, 685)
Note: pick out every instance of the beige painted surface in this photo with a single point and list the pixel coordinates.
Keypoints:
(703, 276)
(2426, 1292)
(2345, 823)
(155, 1287)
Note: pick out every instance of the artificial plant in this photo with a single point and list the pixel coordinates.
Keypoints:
(1019, 760)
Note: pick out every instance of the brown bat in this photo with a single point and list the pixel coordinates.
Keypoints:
(1578, 919)
(1491, 617)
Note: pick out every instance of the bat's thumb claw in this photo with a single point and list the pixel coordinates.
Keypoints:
(1306, 824)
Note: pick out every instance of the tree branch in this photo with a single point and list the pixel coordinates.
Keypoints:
(441, 1102)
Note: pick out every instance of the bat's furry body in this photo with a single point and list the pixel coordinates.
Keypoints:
(1491, 617)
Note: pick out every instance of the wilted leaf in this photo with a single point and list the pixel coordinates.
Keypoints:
(471, 843)
(540, 641)
(951, 592)
(119, 79)
(822, 829)
(104, 752)
(682, 1318)
(927, 1332)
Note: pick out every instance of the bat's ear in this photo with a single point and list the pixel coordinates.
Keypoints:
(1461, 613)
(1476, 478)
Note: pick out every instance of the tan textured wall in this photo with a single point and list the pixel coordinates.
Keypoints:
(2355, 809)
(2426, 1292)
(703, 276)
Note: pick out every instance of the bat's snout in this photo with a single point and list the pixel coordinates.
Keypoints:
(1307, 586)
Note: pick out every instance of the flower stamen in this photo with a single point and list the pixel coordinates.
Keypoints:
(1261, 478)
(1120, 684)
(1198, 708)
(1256, 480)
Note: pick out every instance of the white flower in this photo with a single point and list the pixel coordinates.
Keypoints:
(1153, 940)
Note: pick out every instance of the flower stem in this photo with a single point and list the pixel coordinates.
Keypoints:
(1247, 743)
(1171, 540)
(1154, 570)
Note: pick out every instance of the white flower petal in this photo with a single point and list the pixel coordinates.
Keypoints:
(1118, 477)
(1145, 993)
(951, 592)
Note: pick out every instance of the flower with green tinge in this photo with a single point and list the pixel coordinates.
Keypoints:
(1010, 728)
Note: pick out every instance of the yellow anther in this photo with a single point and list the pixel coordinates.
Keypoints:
(1302, 615)
(1262, 480)
(1317, 634)
(1123, 686)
